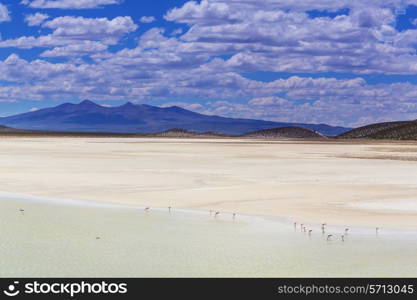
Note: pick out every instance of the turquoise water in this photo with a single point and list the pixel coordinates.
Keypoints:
(76, 240)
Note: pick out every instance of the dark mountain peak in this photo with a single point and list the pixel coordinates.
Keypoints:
(174, 107)
(88, 103)
(66, 104)
(128, 104)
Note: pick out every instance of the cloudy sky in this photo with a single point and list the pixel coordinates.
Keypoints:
(341, 62)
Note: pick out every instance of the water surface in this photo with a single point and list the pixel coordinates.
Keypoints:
(49, 240)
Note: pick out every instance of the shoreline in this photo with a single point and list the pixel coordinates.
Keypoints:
(22, 133)
(127, 136)
(272, 220)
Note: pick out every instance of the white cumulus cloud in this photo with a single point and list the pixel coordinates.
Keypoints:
(147, 19)
(69, 4)
(36, 19)
(4, 13)
(77, 33)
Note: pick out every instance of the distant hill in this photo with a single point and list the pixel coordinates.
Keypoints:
(180, 133)
(5, 129)
(130, 118)
(402, 130)
(275, 133)
(286, 132)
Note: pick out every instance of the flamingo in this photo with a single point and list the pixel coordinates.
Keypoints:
(329, 237)
(346, 231)
(169, 208)
(234, 216)
(147, 209)
(323, 227)
(22, 211)
(343, 238)
(217, 213)
(310, 231)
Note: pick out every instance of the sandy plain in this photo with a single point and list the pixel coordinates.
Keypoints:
(345, 183)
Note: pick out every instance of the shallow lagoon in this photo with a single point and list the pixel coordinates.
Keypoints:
(74, 239)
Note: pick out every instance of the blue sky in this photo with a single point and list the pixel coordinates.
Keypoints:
(339, 62)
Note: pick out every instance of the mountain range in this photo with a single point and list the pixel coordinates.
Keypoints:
(88, 116)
